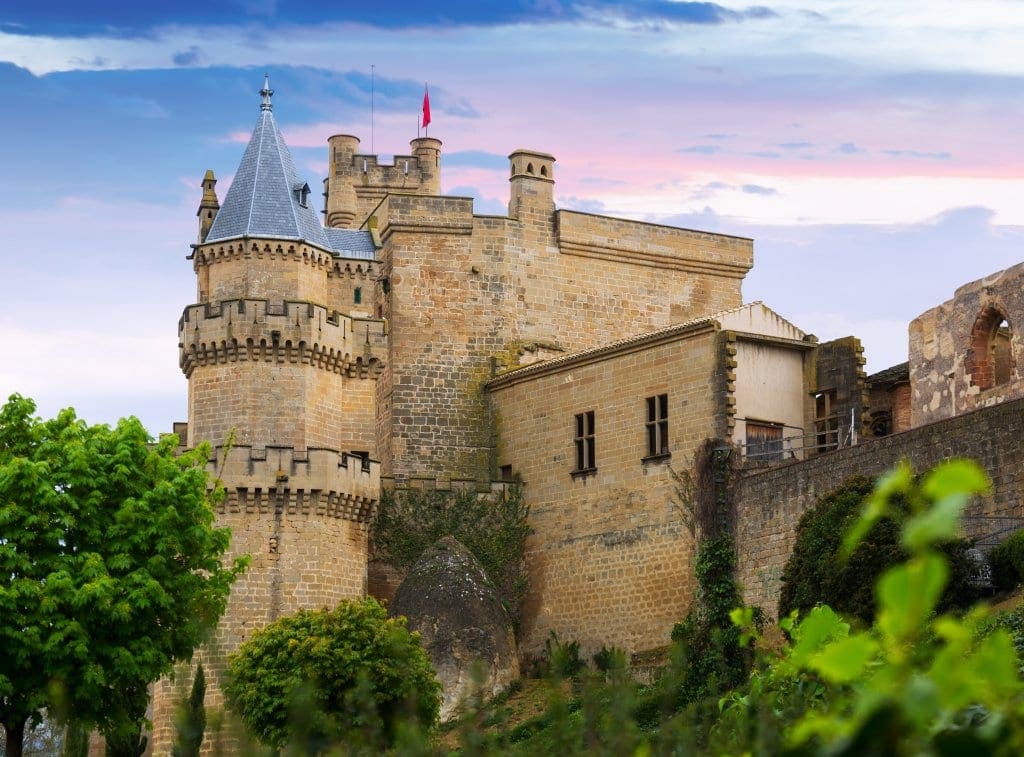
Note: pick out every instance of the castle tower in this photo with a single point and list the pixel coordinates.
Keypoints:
(282, 385)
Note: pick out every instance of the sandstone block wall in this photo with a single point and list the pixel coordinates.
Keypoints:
(465, 295)
(610, 558)
(770, 502)
(953, 349)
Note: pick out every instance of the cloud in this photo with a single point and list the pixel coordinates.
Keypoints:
(484, 206)
(719, 136)
(756, 189)
(583, 204)
(795, 145)
(943, 155)
(700, 149)
(188, 57)
(849, 148)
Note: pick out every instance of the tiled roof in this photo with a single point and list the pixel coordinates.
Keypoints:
(265, 198)
(896, 374)
(351, 243)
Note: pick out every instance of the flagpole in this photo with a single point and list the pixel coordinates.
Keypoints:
(371, 107)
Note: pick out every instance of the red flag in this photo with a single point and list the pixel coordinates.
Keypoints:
(426, 107)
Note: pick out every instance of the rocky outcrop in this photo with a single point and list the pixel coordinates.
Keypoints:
(465, 630)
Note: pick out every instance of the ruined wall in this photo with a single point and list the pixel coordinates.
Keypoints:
(466, 293)
(770, 503)
(610, 557)
(958, 359)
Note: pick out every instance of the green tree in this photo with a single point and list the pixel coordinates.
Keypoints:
(110, 568)
(323, 677)
(191, 722)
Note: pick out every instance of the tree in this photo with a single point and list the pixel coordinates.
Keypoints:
(191, 723)
(110, 567)
(323, 677)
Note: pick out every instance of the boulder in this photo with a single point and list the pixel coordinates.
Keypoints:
(465, 630)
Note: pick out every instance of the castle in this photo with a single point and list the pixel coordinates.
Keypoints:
(404, 341)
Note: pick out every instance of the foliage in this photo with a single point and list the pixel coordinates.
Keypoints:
(611, 660)
(1011, 621)
(814, 574)
(191, 721)
(563, 658)
(110, 567)
(318, 678)
(494, 529)
(914, 683)
(126, 741)
(1007, 561)
(708, 658)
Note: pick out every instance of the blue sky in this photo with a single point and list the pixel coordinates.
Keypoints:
(871, 149)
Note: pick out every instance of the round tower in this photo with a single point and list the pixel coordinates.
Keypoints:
(341, 204)
(427, 151)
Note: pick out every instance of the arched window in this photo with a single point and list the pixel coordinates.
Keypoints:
(990, 356)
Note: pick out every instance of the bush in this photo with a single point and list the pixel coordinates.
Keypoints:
(1007, 561)
(494, 529)
(320, 678)
(563, 659)
(814, 575)
(610, 659)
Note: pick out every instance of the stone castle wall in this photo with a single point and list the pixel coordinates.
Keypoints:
(466, 294)
(770, 503)
(610, 556)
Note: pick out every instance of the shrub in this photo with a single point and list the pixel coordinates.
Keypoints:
(610, 659)
(1007, 561)
(814, 575)
(563, 658)
(345, 676)
(494, 529)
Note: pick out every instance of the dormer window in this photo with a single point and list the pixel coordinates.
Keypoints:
(302, 194)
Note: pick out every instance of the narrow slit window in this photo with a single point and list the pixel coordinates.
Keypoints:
(357, 295)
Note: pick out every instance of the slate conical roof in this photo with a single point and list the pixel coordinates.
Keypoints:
(267, 197)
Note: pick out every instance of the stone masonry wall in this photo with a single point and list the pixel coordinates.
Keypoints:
(951, 360)
(467, 293)
(610, 557)
(771, 502)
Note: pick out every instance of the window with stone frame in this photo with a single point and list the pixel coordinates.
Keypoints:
(657, 427)
(826, 421)
(586, 453)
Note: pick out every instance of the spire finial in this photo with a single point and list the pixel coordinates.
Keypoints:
(267, 93)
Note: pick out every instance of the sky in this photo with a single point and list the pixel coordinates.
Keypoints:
(873, 150)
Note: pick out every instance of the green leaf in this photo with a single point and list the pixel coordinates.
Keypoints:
(908, 594)
(876, 506)
(955, 477)
(845, 660)
(936, 524)
(821, 625)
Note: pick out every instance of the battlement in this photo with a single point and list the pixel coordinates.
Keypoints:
(311, 481)
(437, 215)
(280, 332)
(358, 181)
(428, 483)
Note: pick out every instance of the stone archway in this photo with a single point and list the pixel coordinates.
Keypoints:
(990, 354)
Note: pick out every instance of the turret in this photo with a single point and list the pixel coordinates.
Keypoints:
(339, 188)
(427, 152)
(208, 206)
(533, 181)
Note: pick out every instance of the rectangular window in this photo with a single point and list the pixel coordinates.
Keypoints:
(586, 457)
(826, 422)
(657, 426)
(764, 441)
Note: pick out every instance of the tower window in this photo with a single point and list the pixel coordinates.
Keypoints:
(357, 295)
(826, 421)
(586, 456)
